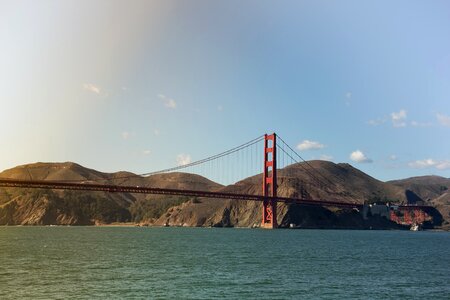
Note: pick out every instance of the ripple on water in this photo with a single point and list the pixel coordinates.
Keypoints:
(201, 263)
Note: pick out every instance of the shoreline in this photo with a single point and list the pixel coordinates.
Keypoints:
(129, 224)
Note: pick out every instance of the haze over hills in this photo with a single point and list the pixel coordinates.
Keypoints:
(330, 181)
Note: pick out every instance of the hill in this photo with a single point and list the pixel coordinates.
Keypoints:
(345, 183)
(314, 180)
(42, 207)
(427, 187)
(434, 190)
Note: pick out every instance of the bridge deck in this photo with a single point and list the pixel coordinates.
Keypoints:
(46, 184)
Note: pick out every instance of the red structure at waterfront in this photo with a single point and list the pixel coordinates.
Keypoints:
(409, 215)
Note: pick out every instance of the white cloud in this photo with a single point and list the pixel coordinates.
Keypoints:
(348, 97)
(443, 119)
(420, 164)
(430, 163)
(126, 134)
(156, 131)
(183, 159)
(146, 152)
(310, 145)
(443, 165)
(168, 102)
(92, 88)
(376, 122)
(399, 118)
(393, 157)
(421, 124)
(326, 157)
(359, 157)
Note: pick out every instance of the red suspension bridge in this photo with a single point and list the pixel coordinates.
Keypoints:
(274, 152)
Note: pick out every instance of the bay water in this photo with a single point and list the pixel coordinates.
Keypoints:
(221, 263)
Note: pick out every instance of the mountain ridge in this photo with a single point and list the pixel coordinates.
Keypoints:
(37, 207)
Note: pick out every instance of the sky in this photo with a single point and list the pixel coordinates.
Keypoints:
(146, 85)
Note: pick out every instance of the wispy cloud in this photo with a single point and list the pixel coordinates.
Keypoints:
(399, 118)
(421, 124)
(183, 159)
(309, 145)
(92, 88)
(430, 163)
(168, 102)
(359, 157)
(444, 120)
(376, 122)
(146, 152)
(220, 108)
(393, 157)
(348, 97)
(126, 135)
(443, 165)
(156, 131)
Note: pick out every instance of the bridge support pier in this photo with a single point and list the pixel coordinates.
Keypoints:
(269, 213)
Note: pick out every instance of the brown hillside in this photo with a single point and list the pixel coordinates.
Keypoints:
(34, 207)
(347, 184)
(427, 187)
(315, 180)
(433, 189)
(442, 204)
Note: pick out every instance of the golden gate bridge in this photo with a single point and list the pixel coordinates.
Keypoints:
(274, 152)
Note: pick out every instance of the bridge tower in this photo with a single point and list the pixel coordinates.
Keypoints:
(269, 213)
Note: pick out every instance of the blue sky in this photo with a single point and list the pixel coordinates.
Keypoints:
(118, 85)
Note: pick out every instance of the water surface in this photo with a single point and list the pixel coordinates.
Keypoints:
(205, 263)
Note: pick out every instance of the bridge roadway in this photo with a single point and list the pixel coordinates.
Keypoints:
(61, 185)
